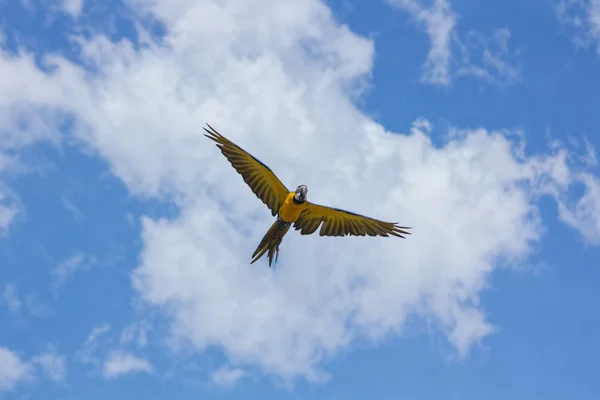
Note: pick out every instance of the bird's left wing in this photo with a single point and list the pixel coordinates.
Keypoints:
(263, 182)
(338, 222)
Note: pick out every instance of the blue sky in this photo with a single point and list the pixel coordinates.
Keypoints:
(126, 235)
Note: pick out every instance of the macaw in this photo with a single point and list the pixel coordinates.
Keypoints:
(292, 207)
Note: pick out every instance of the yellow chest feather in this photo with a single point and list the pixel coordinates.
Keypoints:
(290, 211)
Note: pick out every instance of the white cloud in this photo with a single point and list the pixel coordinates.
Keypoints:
(72, 7)
(12, 370)
(11, 299)
(96, 332)
(21, 126)
(8, 211)
(15, 371)
(87, 353)
(439, 21)
(115, 362)
(119, 363)
(36, 307)
(66, 268)
(9, 204)
(280, 85)
(497, 64)
(30, 303)
(52, 364)
(72, 208)
(582, 19)
(136, 334)
(227, 376)
(584, 213)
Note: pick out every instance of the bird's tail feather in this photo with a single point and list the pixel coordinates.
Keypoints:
(270, 242)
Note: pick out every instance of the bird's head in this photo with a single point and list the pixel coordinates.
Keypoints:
(301, 192)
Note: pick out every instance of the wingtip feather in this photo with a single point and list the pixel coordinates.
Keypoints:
(213, 131)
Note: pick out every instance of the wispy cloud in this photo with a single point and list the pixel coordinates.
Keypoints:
(227, 376)
(439, 21)
(11, 299)
(450, 56)
(12, 370)
(72, 7)
(96, 332)
(72, 208)
(16, 135)
(130, 219)
(121, 363)
(496, 64)
(87, 354)
(66, 268)
(583, 214)
(36, 307)
(7, 214)
(30, 304)
(135, 333)
(53, 365)
(581, 19)
(69, 7)
(9, 207)
(108, 352)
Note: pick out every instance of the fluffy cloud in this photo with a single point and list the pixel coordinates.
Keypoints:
(281, 85)
(497, 64)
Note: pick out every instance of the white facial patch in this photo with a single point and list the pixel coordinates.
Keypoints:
(301, 193)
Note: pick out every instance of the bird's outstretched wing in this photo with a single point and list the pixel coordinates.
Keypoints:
(263, 182)
(338, 222)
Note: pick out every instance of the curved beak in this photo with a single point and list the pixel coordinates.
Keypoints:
(301, 192)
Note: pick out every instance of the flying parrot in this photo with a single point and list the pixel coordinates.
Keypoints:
(293, 207)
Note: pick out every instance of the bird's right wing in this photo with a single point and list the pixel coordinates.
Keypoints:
(262, 181)
(336, 222)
